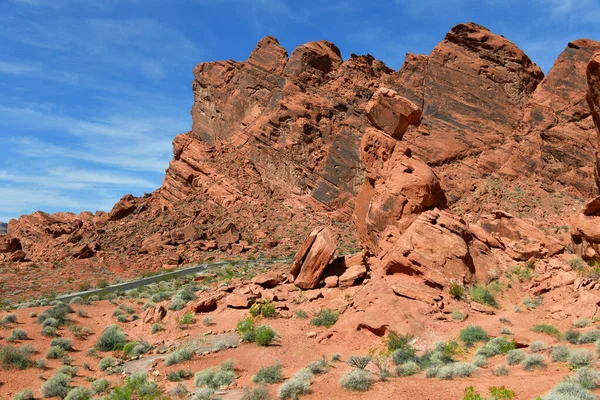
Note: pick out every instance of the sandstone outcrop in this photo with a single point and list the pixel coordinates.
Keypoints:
(312, 258)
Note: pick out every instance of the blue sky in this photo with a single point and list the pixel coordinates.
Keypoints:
(92, 92)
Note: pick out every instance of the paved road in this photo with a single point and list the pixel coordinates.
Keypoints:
(125, 286)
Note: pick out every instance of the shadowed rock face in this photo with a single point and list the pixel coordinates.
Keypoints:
(3, 228)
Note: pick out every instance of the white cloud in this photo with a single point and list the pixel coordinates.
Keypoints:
(15, 68)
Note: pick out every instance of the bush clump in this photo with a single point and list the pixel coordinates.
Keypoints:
(455, 370)
(325, 317)
(63, 343)
(57, 386)
(107, 363)
(569, 391)
(78, 393)
(268, 375)
(17, 334)
(534, 361)
(401, 348)
(178, 356)
(215, 378)
(100, 386)
(356, 380)
(49, 331)
(559, 353)
(547, 329)
(13, 358)
(112, 338)
(296, 385)
(497, 345)
(589, 337)
(538, 346)
(572, 336)
(55, 352)
(136, 386)
(407, 369)
(501, 370)
(178, 376)
(482, 295)
(472, 334)
(156, 327)
(580, 358)
(25, 394)
(586, 377)
(265, 335)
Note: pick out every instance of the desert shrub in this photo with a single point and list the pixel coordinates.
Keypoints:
(135, 348)
(472, 334)
(589, 337)
(506, 331)
(106, 363)
(497, 345)
(407, 369)
(177, 376)
(156, 327)
(479, 360)
(55, 352)
(179, 356)
(64, 343)
(457, 315)
(122, 318)
(214, 378)
(9, 318)
(569, 391)
(559, 353)
(325, 317)
(82, 313)
(482, 295)
(336, 357)
(455, 370)
(203, 394)
(359, 362)
(356, 380)
(148, 304)
(266, 309)
(301, 313)
(100, 386)
(77, 300)
(533, 303)
(56, 386)
(247, 329)
(177, 304)
(187, 319)
(40, 363)
(533, 361)
(136, 386)
(33, 315)
(496, 393)
(580, 358)
(49, 331)
(259, 393)
(160, 296)
(17, 334)
(505, 320)
(547, 329)
(268, 375)
(500, 370)
(178, 391)
(538, 346)
(443, 353)
(582, 323)
(457, 290)
(112, 338)
(586, 377)
(319, 367)
(78, 393)
(295, 386)
(265, 335)
(58, 312)
(207, 321)
(25, 394)
(572, 336)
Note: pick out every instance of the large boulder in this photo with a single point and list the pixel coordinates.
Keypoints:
(122, 208)
(9, 244)
(312, 258)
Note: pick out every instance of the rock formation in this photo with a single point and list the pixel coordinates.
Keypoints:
(3, 228)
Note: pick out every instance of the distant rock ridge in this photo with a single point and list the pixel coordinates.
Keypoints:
(3, 228)
(283, 143)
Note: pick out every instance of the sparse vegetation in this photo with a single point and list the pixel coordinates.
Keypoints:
(215, 378)
(178, 356)
(533, 361)
(300, 313)
(178, 376)
(359, 362)
(496, 393)
(472, 334)
(207, 321)
(156, 327)
(515, 356)
(55, 352)
(589, 337)
(482, 295)
(407, 369)
(187, 319)
(559, 354)
(112, 338)
(265, 335)
(100, 386)
(357, 380)
(296, 385)
(457, 290)
(25, 394)
(268, 375)
(455, 370)
(58, 385)
(582, 323)
(547, 329)
(78, 393)
(457, 315)
(501, 370)
(538, 346)
(580, 358)
(325, 317)
(497, 345)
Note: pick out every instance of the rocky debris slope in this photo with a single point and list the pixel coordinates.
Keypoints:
(281, 144)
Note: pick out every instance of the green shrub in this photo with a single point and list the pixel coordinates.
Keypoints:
(207, 321)
(9, 318)
(49, 331)
(547, 329)
(106, 363)
(301, 313)
(63, 343)
(533, 303)
(57, 386)
(187, 319)
(40, 363)
(587, 378)
(294, 387)
(533, 361)
(156, 327)
(55, 352)
(479, 360)
(177, 304)
(178, 376)
(136, 386)
(455, 370)
(582, 323)
(572, 336)
(319, 367)
(506, 331)
(472, 334)
(203, 394)
(122, 318)
(247, 329)
(359, 362)
(268, 375)
(501, 370)
(569, 391)
(407, 369)
(259, 393)
(357, 380)
(112, 338)
(17, 334)
(179, 356)
(214, 378)
(559, 354)
(336, 357)
(456, 290)
(497, 345)
(589, 337)
(482, 295)
(100, 386)
(178, 391)
(496, 393)
(53, 322)
(266, 309)
(25, 394)
(78, 393)
(457, 315)
(265, 335)
(325, 317)
(537, 346)
(580, 358)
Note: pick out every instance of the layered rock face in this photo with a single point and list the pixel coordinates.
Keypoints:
(281, 144)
